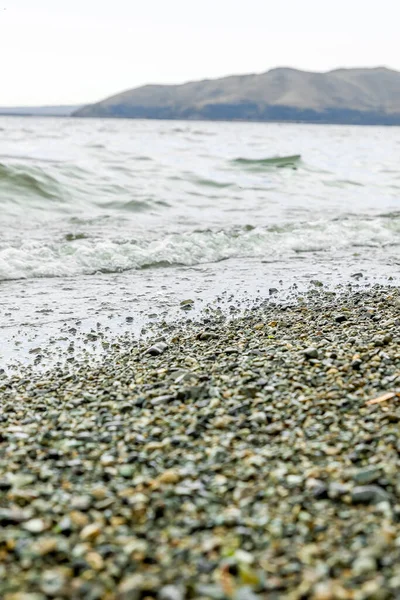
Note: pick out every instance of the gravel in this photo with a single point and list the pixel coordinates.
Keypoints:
(223, 458)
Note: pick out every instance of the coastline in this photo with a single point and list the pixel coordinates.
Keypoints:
(227, 457)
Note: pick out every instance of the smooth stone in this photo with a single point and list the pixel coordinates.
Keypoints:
(90, 532)
(364, 565)
(367, 475)
(171, 592)
(162, 399)
(127, 471)
(157, 349)
(340, 318)
(14, 516)
(82, 503)
(337, 490)
(52, 582)
(35, 526)
(368, 494)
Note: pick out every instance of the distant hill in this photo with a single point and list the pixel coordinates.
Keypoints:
(39, 111)
(359, 96)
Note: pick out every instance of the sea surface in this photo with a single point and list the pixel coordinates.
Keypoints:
(110, 224)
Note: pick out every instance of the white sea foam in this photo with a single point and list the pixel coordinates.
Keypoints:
(86, 256)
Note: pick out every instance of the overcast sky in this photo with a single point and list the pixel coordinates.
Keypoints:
(78, 51)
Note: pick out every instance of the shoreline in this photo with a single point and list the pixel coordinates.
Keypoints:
(223, 458)
(66, 321)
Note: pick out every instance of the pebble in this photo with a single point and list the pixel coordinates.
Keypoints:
(171, 592)
(53, 582)
(236, 465)
(35, 526)
(368, 494)
(157, 349)
(367, 475)
(311, 352)
(340, 318)
(364, 565)
(81, 503)
(90, 532)
(170, 476)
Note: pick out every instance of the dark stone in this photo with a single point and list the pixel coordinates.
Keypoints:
(340, 318)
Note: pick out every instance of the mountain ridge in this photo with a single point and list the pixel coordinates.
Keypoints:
(359, 95)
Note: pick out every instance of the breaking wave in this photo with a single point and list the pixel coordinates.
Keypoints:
(77, 255)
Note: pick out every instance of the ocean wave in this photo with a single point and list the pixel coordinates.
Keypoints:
(76, 255)
(212, 183)
(29, 181)
(269, 162)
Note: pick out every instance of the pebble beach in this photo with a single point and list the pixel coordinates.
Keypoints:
(243, 454)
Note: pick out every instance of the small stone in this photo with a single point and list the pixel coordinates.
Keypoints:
(35, 526)
(259, 417)
(311, 353)
(157, 349)
(187, 304)
(337, 490)
(324, 591)
(222, 422)
(137, 586)
(293, 481)
(81, 503)
(165, 399)
(45, 546)
(53, 582)
(340, 318)
(13, 516)
(211, 592)
(130, 588)
(367, 475)
(107, 460)
(244, 557)
(364, 565)
(94, 560)
(170, 476)
(90, 532)
(231, 350)
(79, 519)
(318, 488)
(246, 593)
(368, 494)
(171, 592)
(127, 471)
(208, 335)
(65, 525)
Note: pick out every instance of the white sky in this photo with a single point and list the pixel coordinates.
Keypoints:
(77, 51)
